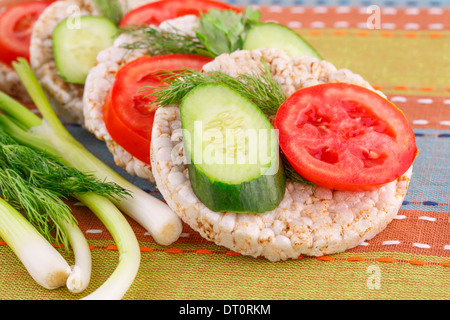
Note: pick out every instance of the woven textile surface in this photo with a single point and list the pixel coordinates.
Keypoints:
(407, 57)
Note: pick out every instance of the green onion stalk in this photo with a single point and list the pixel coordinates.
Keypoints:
(47, 213)
(50, 136)
(154, 215)
(43, 262)
(21, 169)
(77, 279)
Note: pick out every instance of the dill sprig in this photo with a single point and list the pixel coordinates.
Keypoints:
(41, 207)
(110, 9)
(259, 87)
(49, 173)
(292, 175)
(220, 31)
(37, 184)
(158, 42)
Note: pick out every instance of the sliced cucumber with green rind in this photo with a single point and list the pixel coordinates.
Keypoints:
(77, 42)
(273, 35)
(232, 150)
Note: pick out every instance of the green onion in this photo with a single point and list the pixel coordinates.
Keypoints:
(24, 179)
(18, 111)
(151, 213)
(80, 273)
(154, 215)
(130, 255)
(42, 261)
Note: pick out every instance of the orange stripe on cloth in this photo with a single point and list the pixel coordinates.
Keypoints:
(413, 107)
(173, 250)
(390, 260)
(204, 251)
(418, 262)
(339, 32)
(387, 34)
(426, 89)
(435, 35)
(404, 231)
(325, 258)
(411, 35)
(354, 17)
(355, 259)
(384, 259)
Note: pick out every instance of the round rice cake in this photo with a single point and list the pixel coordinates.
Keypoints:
(66, 98)
(305, 222)
(100, 81)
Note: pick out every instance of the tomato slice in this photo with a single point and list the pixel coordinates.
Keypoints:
(128, 114)
(345, 137)
(16, 25)
(156, 12)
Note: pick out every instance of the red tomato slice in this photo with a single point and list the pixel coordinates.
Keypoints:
(158, 11)
(16, 24)
(129, 115)
(123, 135)
(345, 137)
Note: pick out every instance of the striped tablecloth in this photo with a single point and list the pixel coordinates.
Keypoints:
(407, 56)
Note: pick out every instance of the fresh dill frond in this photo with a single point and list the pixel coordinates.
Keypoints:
(37, 184)
(158, 42)
(110, 9)
(49, 173)
(292, 174)
(259, 87)
(41, 207)
(220, 31)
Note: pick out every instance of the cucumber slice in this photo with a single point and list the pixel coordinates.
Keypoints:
(273, 35)
(76, 44)
(233, 151)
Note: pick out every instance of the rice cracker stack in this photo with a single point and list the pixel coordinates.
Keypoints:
(66, 97)
(308, 221)
(100, 81)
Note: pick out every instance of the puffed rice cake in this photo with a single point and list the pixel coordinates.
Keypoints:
(66, 98)
(305, 222)
(100, 81)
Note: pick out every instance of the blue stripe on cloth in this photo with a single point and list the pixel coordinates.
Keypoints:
(355, 3)
(429, 189)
